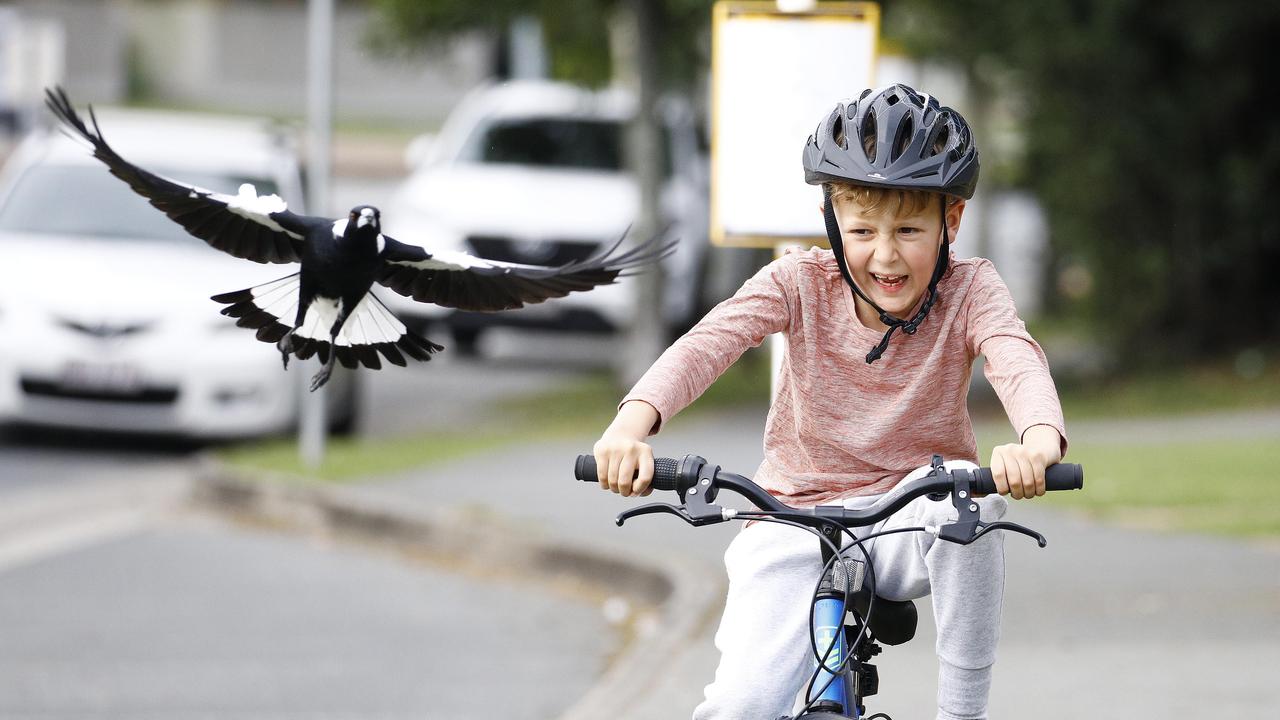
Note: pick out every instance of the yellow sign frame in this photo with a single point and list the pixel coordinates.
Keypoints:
(857, 16)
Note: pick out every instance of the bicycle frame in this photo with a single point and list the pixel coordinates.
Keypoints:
(842, 676)
(832, 646)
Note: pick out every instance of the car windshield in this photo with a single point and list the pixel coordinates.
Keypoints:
(85, 200)
(557, 143)
(552, 142)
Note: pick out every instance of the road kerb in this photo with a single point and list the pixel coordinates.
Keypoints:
(678, 592)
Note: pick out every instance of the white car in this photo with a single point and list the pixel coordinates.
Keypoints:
(105, 316)
(532, 171)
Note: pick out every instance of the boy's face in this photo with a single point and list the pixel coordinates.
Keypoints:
(892, 257)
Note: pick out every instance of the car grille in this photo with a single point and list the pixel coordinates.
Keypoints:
(544, 252)
(106, 330)
(145, 395)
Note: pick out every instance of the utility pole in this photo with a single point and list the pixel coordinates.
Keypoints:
(637, 67)
(312, 422)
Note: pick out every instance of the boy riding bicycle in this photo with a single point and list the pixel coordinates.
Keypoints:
(845, 424)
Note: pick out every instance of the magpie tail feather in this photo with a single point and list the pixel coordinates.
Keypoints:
(368, 335)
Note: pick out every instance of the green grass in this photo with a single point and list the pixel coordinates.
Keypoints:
(581, 408)
(349, 459)
(1224, 487)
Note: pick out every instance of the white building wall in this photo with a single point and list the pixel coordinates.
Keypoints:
(245, 56)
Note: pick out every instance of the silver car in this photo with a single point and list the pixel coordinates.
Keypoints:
(105, 316)
(532, 171)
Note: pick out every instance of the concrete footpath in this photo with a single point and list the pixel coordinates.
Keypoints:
(1105, 622)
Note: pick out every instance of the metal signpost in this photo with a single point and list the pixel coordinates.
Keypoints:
(311, 423)
(776, 67)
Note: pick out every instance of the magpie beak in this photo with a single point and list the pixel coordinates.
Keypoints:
(326, 309)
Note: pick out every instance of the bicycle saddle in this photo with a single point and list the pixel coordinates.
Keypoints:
(894, 621)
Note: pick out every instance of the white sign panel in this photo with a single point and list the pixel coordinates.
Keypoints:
(774, 76)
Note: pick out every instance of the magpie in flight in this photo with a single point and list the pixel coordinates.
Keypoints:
(326, 308)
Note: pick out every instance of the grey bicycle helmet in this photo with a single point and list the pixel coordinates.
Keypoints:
(895, 138)
(898, 139)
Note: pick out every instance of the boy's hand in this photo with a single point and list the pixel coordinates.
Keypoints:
(1018, 468)
(621, 451)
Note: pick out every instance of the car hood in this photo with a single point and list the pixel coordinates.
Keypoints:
(516, 201)
(99, 280)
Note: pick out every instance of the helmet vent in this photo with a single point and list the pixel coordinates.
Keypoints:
(940, 139)
(837, 131)
(906, 130)
(868, 137)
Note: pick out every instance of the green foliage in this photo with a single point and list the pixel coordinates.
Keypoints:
(1150, 146)
(576, 31)
(1180, 391)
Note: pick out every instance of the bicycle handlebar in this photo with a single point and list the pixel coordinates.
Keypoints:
(666, 475)
(682, 475)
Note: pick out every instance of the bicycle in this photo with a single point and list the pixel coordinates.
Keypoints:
(848, 621)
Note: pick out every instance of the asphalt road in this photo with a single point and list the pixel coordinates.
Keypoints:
(1105, 622)
(191, 618)
(115, 601)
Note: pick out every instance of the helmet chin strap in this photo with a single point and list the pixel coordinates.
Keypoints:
(907, 326)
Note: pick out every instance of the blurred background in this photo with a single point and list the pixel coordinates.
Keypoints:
(1129, 160)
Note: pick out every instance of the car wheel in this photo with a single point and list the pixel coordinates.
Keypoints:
(344, 411)
(466, 341)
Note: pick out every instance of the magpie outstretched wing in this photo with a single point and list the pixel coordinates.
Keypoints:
(261, 229)
(466, 282)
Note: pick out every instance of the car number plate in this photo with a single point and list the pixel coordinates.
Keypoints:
(113, 377)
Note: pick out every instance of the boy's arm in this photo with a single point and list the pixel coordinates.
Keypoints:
(761, 307)
(1045, 441)
(1019, 373)
(622, 451)
(1018, 468)
(684, 372)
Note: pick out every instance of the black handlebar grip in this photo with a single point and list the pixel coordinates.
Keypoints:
(666, 471)
(1062, 476)
(585, 469)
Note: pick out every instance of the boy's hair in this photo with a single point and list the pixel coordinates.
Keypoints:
(877, 200)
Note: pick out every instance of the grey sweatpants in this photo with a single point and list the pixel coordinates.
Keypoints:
(765, 656)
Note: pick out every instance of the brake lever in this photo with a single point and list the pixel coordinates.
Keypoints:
(654, 509)
(967, 527)
(696, 510)
(1012, 527)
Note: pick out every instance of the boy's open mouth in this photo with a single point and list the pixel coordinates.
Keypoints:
(889, 282)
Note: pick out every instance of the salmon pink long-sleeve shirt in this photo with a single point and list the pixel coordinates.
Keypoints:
(839, 426)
